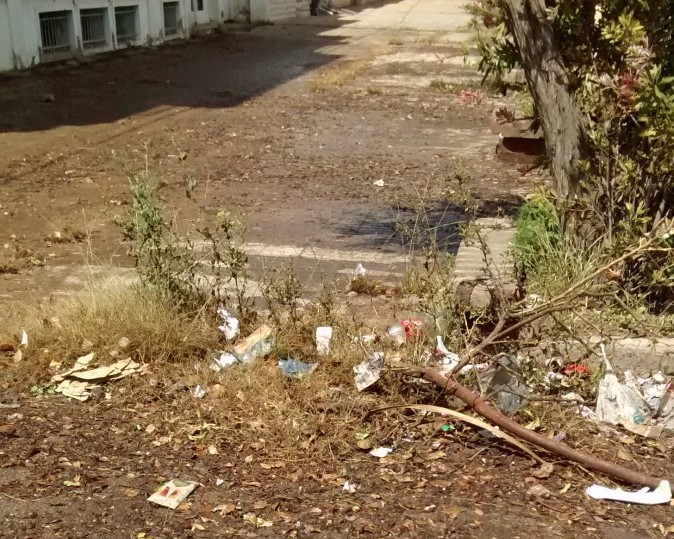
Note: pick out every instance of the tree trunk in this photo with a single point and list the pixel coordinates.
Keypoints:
(549, 85)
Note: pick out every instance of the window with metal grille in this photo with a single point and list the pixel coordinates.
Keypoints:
(93, 28)
(126, 24)
(55, 32)
(197, 5)
(171, 18)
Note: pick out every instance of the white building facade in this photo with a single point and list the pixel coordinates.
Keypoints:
(37, 31)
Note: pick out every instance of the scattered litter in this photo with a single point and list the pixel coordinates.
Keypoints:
(73, 389)
(124, 342)
(224, 360)
(647, 431)
(397, 334)
(448, 360)
(369, 371)
(405, 331)
(198, 392)
(381, 452)
(572, 396)
(652, 388)
(412, 328)
(575, 368)
(323, 337)
(172, 493)
(365, 339)
(219, 482)
(378, 183)
(230, 324)
(24, 338)
(257, 344)
(360, 271)
(665, 412)
(78, 382)
(662, 494)
(349, 487)
(617, 402)
(292, 368)
(504, 383)
(586, 412)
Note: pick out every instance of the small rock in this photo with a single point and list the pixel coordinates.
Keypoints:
(48, 98)
(86, 345)
(124, 342)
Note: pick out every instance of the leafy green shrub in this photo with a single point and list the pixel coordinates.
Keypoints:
(620, 56)
(538, 232)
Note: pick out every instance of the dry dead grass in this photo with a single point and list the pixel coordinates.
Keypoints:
(250, 409)
(339, 74)
(105, 313)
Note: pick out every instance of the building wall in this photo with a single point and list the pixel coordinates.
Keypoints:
(20, 45)
(6, 49)
(21, 42)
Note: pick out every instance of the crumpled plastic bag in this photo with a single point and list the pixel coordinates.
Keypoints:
(617, 403)
(369, 371)
(503, 382)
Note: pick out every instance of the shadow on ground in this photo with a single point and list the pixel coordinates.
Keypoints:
(218, 71)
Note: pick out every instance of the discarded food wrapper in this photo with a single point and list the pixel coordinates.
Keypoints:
(503, 382)
(230, 324)
(369, 371)
(652, 388)
(223, 360)
(292, 368)
(198, 392)
(257, 344)
(261, 334)
(323, 337)
(172, 493)
(381, 452)
(412, 328)
(257, 350)
(662, 494)
(617, 402)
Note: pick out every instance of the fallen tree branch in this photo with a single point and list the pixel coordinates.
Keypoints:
(480, 405)
(467, 419)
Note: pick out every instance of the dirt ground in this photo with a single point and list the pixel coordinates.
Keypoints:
(236, 112)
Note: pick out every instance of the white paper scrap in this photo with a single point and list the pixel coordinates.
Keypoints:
(645, 496)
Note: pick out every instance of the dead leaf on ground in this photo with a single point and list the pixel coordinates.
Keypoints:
(544, 471)
(452, 511)
(435, 455)
(224, 509)
(624, 455)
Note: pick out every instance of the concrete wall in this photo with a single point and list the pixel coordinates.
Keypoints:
(6, 58)
(20, 41)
